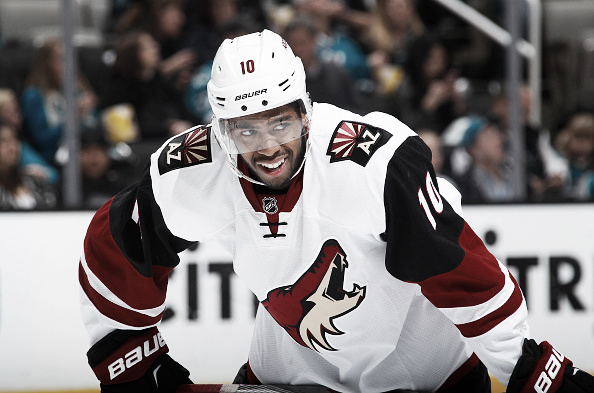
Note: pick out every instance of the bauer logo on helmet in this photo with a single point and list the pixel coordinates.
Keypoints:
(248, 95)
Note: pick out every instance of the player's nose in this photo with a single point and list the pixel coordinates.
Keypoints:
(269, 147)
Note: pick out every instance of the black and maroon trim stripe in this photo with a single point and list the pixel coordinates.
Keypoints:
(113, 311)
(448, 260)
(131, 259)
(105, 259)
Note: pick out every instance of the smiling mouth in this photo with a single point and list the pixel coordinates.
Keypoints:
(273, 167)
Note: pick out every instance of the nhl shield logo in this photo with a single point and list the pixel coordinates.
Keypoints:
(269, 205)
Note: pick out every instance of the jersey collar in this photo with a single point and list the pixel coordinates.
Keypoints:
(286, 201)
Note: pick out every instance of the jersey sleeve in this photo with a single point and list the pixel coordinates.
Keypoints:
(127, 256)
(429, 243)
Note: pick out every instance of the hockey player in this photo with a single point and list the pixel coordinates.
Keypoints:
(368, 277)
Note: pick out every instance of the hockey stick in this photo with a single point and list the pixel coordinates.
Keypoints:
(232, 388)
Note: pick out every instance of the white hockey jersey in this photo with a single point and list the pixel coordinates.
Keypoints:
(369, 278)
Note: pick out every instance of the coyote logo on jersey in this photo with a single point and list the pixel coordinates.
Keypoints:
(306, 309)
(356, 142)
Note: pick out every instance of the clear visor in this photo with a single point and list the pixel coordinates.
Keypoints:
(263, 130)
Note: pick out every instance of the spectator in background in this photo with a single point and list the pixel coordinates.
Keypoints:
(326, 81)
(31, 161)
(180, 50)
(480, 56)
(136, 79)
(218, 15)
(428, 94)
(202, 13)
(117, 9)
(222, 11)
(43, 105)
(101, 178)
(18, 189)
(196, 97)
(333, 45)
(10, 111)
(546, 170)
(394, 27)
(576, 142)
(352, 17)
(222, 19)
(489, 176)
(349, 17)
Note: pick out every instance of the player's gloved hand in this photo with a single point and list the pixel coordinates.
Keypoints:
(242, 376)
(542, 369)
(136, 362)
(246, 376)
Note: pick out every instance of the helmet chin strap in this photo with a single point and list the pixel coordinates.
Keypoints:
(307, 144)
(239, 173)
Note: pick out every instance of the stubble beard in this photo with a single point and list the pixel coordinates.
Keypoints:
(285, 183)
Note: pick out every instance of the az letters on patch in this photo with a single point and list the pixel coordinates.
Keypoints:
(186, 150)
(356, 142)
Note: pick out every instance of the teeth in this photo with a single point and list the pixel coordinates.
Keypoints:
(274, 165)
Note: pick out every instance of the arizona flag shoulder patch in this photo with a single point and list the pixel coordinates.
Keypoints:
(186, 150)
(356, 142)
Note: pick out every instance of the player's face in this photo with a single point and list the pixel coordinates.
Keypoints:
(271, 144)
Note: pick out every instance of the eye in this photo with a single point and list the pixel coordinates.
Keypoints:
(246, 133)
(281, 126)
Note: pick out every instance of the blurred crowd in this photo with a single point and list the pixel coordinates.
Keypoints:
(409, 58)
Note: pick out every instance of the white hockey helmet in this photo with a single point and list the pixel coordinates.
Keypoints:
(251, 74)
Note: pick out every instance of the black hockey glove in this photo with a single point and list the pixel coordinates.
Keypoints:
(127, 361)
(242, 375)
(542, 369)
